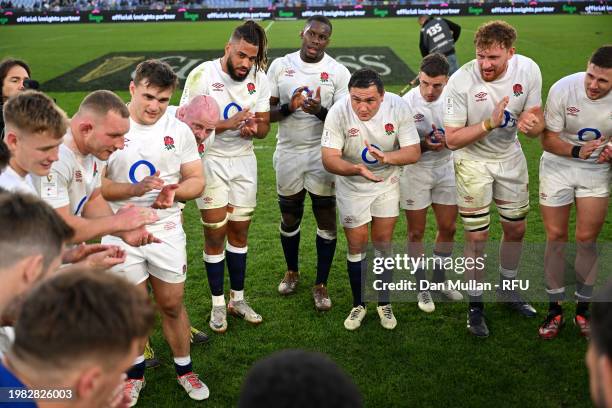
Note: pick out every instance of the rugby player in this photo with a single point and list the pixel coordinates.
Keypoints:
(366, 136)
(430, 181)
(578, 126)
(158, 146)
(238, 83)
(487, 101)
(303, 86)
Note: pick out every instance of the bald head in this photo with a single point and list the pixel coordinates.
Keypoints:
(201, 114)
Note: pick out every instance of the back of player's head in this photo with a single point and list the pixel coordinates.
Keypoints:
(155, 73)
(601, 321)
(365, 78)
(435, 65)
(602, 57)
(296, 378)
(29, 227)
(34, 112)
(102, 102)
(254, 34)
(80, 316)
(320, 19)
(494, 33)
(5, 67)
(202, 107)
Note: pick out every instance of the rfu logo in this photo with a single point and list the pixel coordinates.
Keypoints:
(353, 132)
(572, 111)
(481, 96)
(217, 86)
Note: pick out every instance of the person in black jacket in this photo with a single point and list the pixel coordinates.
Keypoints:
(439, 35)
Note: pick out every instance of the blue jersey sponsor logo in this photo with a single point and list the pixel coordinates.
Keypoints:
(135, 167)
(588, 134)
(509, 120)
(230, 110)
(365, 155)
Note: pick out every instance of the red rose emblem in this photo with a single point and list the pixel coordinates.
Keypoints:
(389, 129)
(201, 148)
(251, 88)
(324, 76)
(517, 89)
(168, 142)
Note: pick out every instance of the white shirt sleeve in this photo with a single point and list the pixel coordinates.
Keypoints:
(263, 100)
(534, 98)
(332, 133)
(273, 77)
(194, 85)
(54, 188)
(554, 113)
(189, 147)
(455, 105)
(342, 86)
(408, 134)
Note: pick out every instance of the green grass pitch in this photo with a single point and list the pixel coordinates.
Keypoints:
(429, 360)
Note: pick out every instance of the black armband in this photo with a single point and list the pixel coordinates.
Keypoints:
(322, 114)
(284, 110)
(576, 151)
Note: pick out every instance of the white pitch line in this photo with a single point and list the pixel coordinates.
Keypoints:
(268, 26)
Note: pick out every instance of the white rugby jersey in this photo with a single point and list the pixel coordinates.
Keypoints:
(202, 147)
(577, 119)
(73, 178)
(164, 146)
(470, 100)
(232, 96)
(302, 131)
(391, 128)
(11, 181)
(426, 114)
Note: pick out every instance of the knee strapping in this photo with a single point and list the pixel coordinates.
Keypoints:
(513, 211)
(241, 213)
(476, 221)
(326, 234)
(215, 225)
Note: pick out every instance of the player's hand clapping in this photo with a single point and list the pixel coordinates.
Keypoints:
(436, 141)
(530, 119)
(138, 237)
(606, 154)
(147, 184)
(363, 171)
(589, 147)
(130, 217)
(313, 105)
(497, 117)
(165, 198)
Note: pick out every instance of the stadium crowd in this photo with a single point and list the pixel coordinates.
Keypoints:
(122, 173)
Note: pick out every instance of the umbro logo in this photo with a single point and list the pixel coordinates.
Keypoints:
(353, 132)
(289, 72)
(207, 200)
(394, 179)
(348, 220)
(409, 202)
(419, 117)
(78, 176)
(572, 111)
(217, 86)
(468, 199)
(481, 96)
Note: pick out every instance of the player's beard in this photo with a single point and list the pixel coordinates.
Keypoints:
(231, 70)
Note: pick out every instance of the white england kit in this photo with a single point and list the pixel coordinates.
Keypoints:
(163, 147)
(358, 198)
(432, 178)
(72, 180)
(11, 181)
(493, 167)
(230, 167)
(578, 120)
(297, 158)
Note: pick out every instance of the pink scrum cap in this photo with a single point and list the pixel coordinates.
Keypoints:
(203, 108)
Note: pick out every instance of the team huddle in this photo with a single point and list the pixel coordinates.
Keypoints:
(122, 173)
